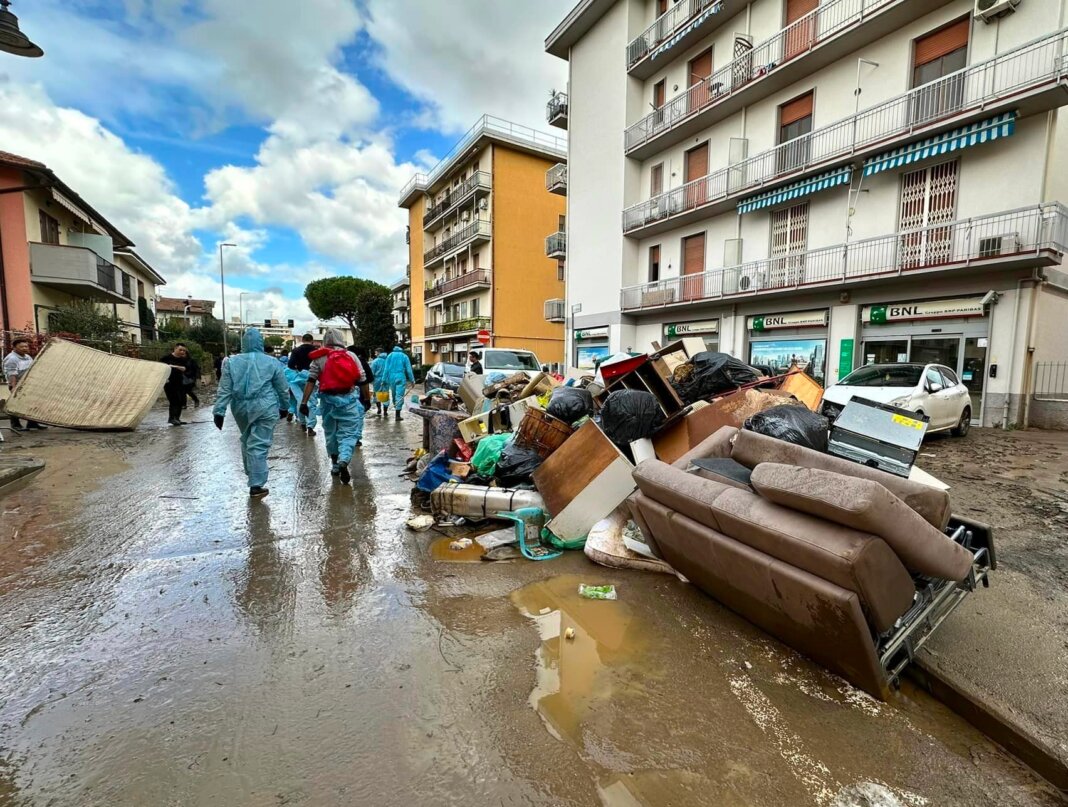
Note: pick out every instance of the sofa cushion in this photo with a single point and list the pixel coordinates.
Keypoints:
(718, 445)
(751, 449)
(725, 471)
(865, 505)
(683, 492)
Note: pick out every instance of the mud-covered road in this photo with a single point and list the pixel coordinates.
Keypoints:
(163, 641)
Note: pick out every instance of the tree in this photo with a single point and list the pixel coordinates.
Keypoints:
(365, 306)
(83, 319)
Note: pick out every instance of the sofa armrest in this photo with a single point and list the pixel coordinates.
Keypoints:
(718, 446)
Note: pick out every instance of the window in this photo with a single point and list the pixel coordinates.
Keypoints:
(884, 375)
(49, 229)
(654, 263)
(561, 271)
(563, 224)
(934, 380)
(140, 288)
(949, 376)
(795, 123)
(656, 180)
(801, 33)
(700, 93)
(928, 198)
(936, 58)
(789, 238)
(474, 307)
(659, 99)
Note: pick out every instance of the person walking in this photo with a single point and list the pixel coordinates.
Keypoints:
(16, 363)
(253, 386)
(297, 378)
(178, 361)
(369, 379)
(398, 373)
(476, 365)
(338, 374)
(378, 367)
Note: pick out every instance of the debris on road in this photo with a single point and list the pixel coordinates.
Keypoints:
(597, 592)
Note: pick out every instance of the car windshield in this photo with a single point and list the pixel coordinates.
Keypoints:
(884, 375)
(452, 369)
(510, 360)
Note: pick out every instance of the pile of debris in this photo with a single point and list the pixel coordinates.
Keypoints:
(691, 462)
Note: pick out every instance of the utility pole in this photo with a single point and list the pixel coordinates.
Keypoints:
(222, 284)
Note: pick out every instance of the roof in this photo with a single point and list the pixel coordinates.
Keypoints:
(178, 304)
(575, 25)
(403, 283)
(488, 129)
(48, 179)
(143, 264)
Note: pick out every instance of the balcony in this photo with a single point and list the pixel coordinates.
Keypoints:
(478, 230)
(673, 32)
(400, 302)
(79, 272)
(832, 31)
(1031, 78)
(556, 110)
(476, 184)
(556, 179)
(556, 245)
(554, 311)
(459, 326)
(1027, 237)
(475, 279)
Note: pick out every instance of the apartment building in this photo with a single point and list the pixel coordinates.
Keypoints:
(821, 183)
(282, 329)
(484, 245)
(55, 248)
(402, 309)
(187, 310)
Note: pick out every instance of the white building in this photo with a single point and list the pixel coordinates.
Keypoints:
(283, 329)
(843, 182)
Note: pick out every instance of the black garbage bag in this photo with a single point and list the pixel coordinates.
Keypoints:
(794, 423)
(709, 374)
(516, 466)
(629, 415)
(570, 404)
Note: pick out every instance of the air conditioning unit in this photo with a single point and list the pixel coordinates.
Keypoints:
(750, 279)
(466, 215)
(483, 204)
(988, 10)
(433, 347)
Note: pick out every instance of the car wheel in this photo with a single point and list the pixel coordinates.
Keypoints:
(965, 423)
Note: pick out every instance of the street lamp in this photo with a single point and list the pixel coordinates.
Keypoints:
(12, 40)
(241, 308)
(222, 284)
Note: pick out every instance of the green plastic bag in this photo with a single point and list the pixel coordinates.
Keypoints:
(487, 453)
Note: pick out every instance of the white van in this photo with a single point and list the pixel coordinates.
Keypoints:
(507, 360)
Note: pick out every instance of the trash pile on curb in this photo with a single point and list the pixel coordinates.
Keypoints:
(691, 462)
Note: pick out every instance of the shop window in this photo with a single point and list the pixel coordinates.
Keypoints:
(779, 356)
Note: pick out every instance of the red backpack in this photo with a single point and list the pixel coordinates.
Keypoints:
(341, 373)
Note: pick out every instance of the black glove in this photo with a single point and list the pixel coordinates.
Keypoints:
(304, 410)
(283, 414)
(219, 422)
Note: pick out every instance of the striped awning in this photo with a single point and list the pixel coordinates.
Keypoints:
(982, 132)
(804, 187)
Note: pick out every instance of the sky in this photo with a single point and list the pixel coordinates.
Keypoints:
(284, 127)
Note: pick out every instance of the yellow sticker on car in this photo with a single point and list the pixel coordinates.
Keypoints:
(904, 421)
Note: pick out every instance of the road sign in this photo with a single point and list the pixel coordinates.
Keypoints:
(484, 337)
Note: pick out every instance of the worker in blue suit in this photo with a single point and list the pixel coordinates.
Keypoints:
(398, 375)
(378, 371)
(253, 385)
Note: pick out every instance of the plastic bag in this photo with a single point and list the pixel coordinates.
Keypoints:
(629, 415)
(436, 474)
(516, 465)
(570, 404)
(597, 592)
(493, 378)
(487, 453)
(793, 423)
(711, 374)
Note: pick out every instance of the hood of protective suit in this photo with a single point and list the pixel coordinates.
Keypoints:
(252, 341)
(333, 338)
(398, 349)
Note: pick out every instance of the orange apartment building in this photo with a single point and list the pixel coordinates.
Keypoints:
(486, 245)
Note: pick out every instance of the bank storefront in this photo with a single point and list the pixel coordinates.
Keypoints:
(706, 329)
(591, 347)
(779, 341)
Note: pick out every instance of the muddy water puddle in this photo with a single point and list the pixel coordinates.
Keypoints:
(456, 550)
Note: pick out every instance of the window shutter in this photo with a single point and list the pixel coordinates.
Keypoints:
(795, 110)
(936, 45)
(796, 9)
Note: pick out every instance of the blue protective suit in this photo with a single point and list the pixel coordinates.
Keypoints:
(342, 424)
(296, 380)
(378, 368)
(253, 385)
(398, 375)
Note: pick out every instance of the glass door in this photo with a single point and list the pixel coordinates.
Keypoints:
(886, 351)
(973, 372)
(936, 350)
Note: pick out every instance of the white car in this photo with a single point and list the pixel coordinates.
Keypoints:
(507, 360)
(929, 389)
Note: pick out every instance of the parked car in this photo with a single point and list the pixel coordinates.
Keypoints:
(506, 360)
(929, 389)
(444, 376)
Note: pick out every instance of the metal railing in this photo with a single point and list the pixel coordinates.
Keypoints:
(978, 240)
(791, 42)
(556, 245)
(473, 278)
(1019, 70)
(479, 227)
(554, 311)
(493, 127)
(459, 326)
(480, 180)
(1051, 381)
(557, 107)
(556, 177)
(666, 25)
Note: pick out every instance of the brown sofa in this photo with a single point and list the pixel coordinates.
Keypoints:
(842, 562)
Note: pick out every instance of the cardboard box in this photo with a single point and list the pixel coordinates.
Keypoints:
(471, 393)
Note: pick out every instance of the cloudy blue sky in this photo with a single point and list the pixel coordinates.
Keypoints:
(284, 126)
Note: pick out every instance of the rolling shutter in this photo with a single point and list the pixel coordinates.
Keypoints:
(936, 45)
(795, 110)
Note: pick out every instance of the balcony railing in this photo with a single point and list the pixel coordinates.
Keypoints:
(480, 180)
(556, 179)
(1035, 233)
(973, 88)
(791, 42)
(476, 229)
(556, 110)
(459, 326)
(476, 277)
(80, 272)
(556, 245)
(676, 20)
(554, 311)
